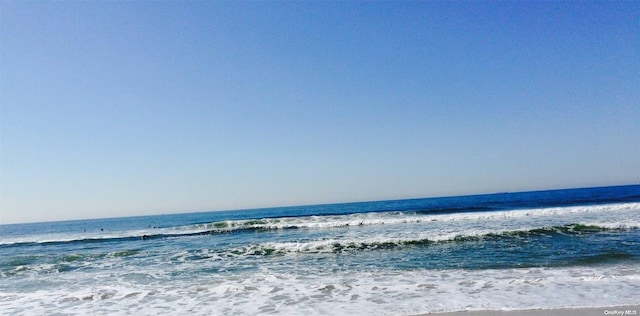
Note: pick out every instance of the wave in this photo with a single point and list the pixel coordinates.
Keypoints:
(473, 214)
(48, 263)
(404, 217)
(461, 209)
(112, 238)
(385, 243)
(72, 261)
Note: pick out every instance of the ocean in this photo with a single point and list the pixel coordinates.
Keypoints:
(545, 249)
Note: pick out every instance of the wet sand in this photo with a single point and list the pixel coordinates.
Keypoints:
(629, 310)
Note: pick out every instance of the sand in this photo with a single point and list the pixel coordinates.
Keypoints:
(629, 310)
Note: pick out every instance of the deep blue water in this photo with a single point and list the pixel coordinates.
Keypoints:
(504, 250)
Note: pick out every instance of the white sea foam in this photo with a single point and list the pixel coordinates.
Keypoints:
(335, 292)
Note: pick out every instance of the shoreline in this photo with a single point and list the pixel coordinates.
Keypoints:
(618, 310)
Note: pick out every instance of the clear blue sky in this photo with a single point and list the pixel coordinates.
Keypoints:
(131, 108)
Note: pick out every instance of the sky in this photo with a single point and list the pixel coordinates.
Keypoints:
(122, 108)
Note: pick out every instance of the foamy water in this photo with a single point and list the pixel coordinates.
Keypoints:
(332, 292)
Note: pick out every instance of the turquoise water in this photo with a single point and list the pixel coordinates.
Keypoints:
(578, 247)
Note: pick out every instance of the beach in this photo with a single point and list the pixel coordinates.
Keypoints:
(581, 311)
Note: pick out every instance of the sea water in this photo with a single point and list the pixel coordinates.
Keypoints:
(547, 249)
